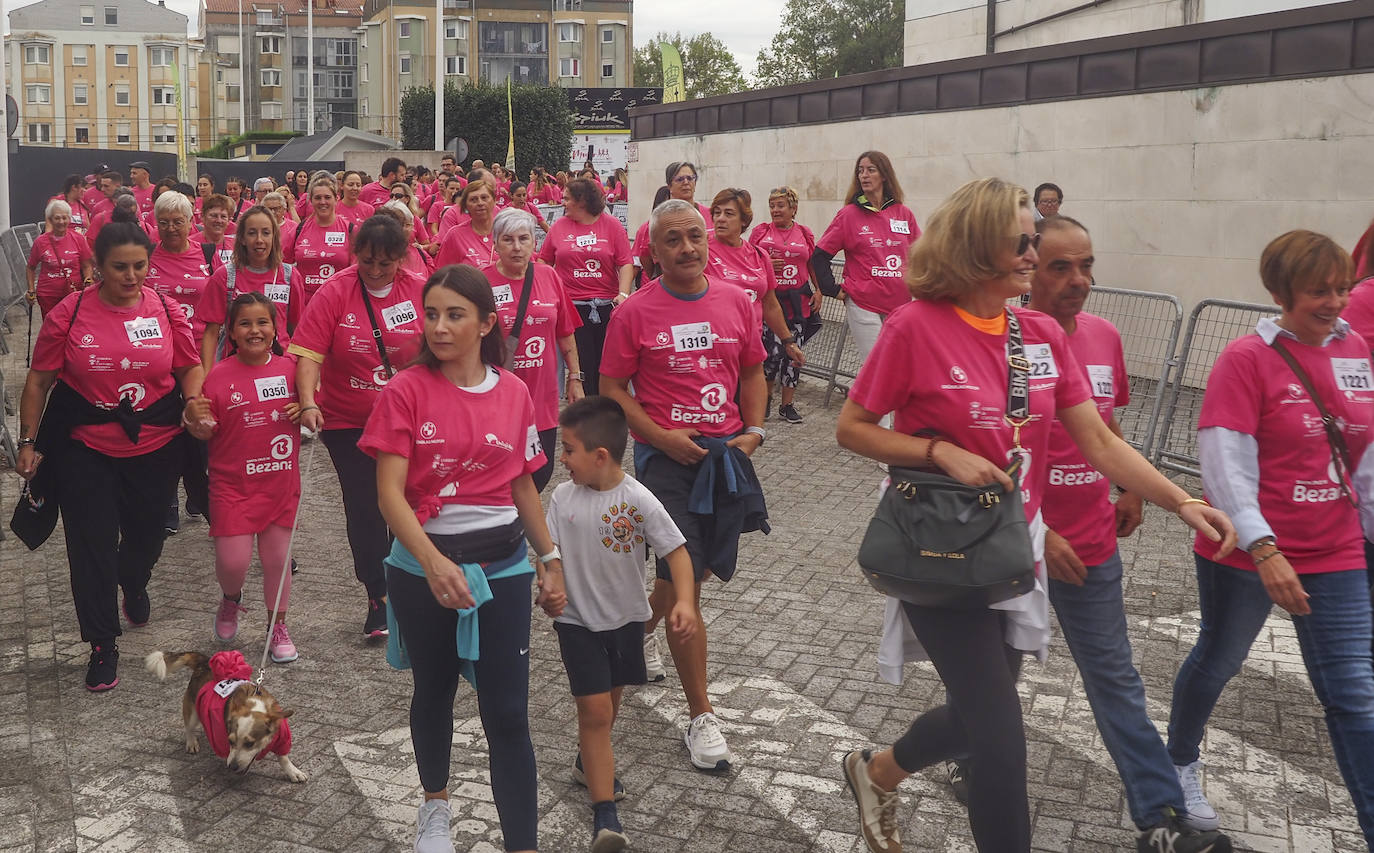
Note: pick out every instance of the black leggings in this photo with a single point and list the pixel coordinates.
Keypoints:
(503, 678)
(982, 721)
(591, 338)
(368, 537)
(546, 440)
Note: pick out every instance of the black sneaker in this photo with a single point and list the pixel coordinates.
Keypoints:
(193, 510)
(581, 778)
(295, 569)
(137, 607)
(608, 836)
(790, 414)
(173, 522)
(375, 623)
(958, 779)
(1173, 837)
(101, 672)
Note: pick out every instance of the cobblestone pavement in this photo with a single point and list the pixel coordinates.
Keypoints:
(793, 642)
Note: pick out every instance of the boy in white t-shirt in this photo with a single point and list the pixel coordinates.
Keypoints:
(602, 521)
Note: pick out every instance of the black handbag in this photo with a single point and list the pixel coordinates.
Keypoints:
(937, 542)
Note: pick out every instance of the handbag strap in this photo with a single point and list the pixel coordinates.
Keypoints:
(376, 329)
(524, 301)
(1335, 440)
(1018, 379)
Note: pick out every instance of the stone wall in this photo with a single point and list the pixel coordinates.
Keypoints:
(1181, 189)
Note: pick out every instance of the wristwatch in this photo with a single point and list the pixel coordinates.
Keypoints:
(551, 556)
(759, 431)
(788, 341)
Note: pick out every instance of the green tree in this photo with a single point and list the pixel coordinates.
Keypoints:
(707, 64)
(477, 112)
(817, 39)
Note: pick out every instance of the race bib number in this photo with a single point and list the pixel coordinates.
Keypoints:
(400, 314)
(1102, 379)
(1352, 374)
(1042, 362)
(502, 294)
(225, 255)
(585, 240)
(532, 446)
(224, 688)
(335, 238)
(142, 329)
(278, 293)
(690, 337)
(271, 388)
(899, 226)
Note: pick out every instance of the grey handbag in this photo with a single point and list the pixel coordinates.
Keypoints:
(937, 542)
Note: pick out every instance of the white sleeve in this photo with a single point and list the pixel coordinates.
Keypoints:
(1230, 477)
(551, 518)
(1363, 480)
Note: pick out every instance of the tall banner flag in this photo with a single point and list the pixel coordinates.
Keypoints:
(181, 121)
(674, 87)
(510, 126)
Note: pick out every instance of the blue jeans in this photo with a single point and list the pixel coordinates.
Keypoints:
(1093, 618)
(1335, 641)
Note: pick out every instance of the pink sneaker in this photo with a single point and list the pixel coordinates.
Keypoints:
(281, 648)
(227, 619)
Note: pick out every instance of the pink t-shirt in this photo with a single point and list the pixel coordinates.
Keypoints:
(550, 316)
(550, 194)
(1360, 312)
(255, 478)
(224, 250)
(1078, 502)
(319, 251)
(287, 228)
(462, 245)
(56, 263)
(418, 262)
(938, 373)
(793, 246)
(375, 194)
(113, 353)
(182, 277)
(875, 247)
(283, 290)
(640, 249)
(452, 218)
(465, 447)
(1253, 391)
(684, 354)
(355, 214)
(437, 208)
(144, 197)
(337, 329)
(745, 266)
(588, 258)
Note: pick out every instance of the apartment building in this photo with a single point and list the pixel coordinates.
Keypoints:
(263, 83)
(574, 43)
(104, 74)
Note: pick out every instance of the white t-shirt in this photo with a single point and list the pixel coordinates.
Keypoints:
(602, 537)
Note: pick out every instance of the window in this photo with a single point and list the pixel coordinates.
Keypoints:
(301, 91)
(165, 134)
(111, 16)
(405, 63)
(362, 72)
(570, 32)
(40, 133)
(36, 54)
(271, 77)
(121, 95)
(455, 65)
(80, 96)
(455, 29)
(121, 55)
(568, 5)
(344, 51)
(163, 57)
(608, 69)
(569, 67)
(607, 34)
(267, 19)
(83, 135)
(231, 93)
(362, 106)
(271, 109)
(87, 16)
(403, 29)
(38, 94)
(122, 133)
(270, 44)
(340, 85)
(164, 96)
(79, 54)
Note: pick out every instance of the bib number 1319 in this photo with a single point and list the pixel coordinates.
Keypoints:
(690, 337)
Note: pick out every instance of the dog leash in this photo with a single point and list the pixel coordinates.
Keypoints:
(286, 568)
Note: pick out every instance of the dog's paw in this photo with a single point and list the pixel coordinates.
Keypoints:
(293, 773)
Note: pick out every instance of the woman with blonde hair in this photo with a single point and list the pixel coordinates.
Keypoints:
(978, 252)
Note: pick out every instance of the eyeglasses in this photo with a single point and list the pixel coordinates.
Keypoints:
(1026, 242)
(685, 179)
(401, 196)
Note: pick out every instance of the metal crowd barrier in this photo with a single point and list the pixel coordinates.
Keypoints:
(1213, 324)
(15, 245)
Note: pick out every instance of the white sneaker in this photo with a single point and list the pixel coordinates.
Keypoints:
(653, 661)
(432, 827)
(1201, 815)
(706, 745)
(877, 808)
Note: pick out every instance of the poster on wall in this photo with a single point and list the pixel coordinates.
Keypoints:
(607, 151)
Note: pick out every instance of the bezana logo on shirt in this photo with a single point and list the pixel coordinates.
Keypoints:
(134, 392)
(1314, 492)
(713, 399)
(891, 268)
(592, 269)
(280, 457)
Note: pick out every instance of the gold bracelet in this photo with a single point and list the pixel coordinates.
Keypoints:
(1274, 553)
(1186, 501)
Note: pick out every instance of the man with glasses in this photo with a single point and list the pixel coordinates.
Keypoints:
(1048, 198)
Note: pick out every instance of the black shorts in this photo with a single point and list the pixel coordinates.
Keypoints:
(672, 484)
(599, 661)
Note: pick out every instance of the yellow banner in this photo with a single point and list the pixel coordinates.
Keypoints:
(674, 86)
(510, 126)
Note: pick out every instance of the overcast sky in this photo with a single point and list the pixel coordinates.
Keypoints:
(744, 25)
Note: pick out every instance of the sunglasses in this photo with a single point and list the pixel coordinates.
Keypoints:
(1025, 242)
(401, 196)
